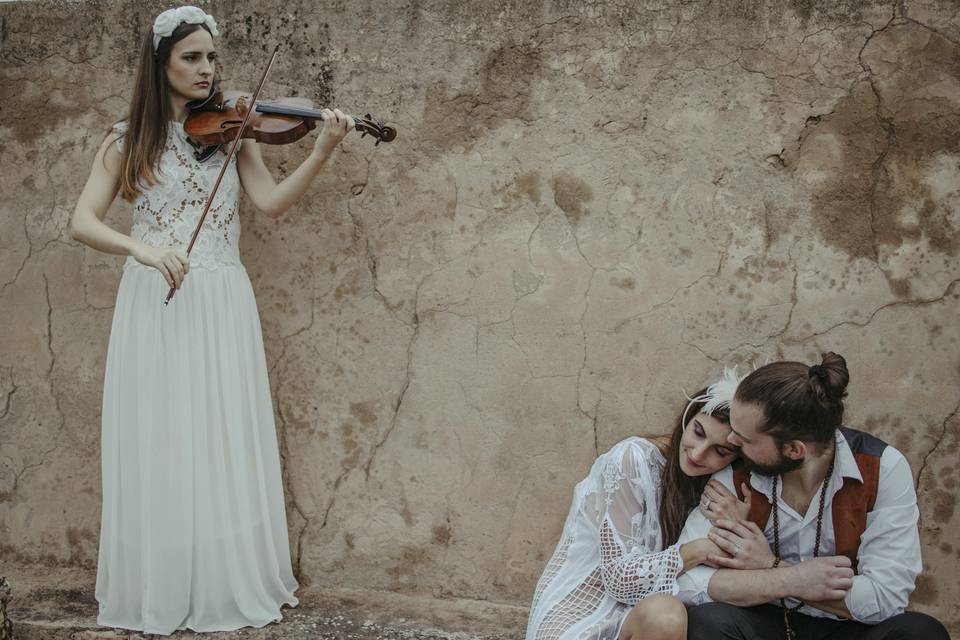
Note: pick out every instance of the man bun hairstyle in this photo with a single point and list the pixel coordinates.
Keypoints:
(829, 379)
(799, 402)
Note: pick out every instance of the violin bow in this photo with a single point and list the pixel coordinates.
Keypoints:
(226, 163)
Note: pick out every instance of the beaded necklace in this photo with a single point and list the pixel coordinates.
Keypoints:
(790, 634)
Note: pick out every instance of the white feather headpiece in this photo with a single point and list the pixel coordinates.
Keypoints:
(719, 395)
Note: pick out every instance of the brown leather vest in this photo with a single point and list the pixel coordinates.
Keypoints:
(851, 503)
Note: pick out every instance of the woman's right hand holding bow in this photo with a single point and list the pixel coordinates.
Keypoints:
(172, 264)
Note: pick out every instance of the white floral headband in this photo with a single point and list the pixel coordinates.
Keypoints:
(719, 395)
(169, 20)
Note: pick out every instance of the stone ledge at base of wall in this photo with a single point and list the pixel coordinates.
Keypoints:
(59, 604)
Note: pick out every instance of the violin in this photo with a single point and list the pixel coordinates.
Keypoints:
(215, 120)
(226, 117)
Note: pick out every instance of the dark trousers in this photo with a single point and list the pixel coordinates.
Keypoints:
(716, 620)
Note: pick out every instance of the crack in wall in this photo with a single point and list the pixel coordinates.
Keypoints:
(897, 303)
(30, 246)
(951, 40)
(53, 357)
(284, 446)
(938, 441)
(26, 259)
(794, 301)
(396, 409)
(8, 402)
(880, 171)
(372, 262)
(518, 495)
(583, 332)
(49, 379)
(787, 340)
(664, 303)
(333, 498)
(668, 301)
(794, 298)
(288, 484)
(397, 406)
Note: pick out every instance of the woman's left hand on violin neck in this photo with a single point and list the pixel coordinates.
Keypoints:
(336, 126)
(274, 198)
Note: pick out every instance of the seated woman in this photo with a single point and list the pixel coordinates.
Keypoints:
(613, 576)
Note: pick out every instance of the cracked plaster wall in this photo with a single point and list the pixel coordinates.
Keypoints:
(591, 206)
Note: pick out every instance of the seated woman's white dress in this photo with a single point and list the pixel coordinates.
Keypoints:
(610, 554)
(193, 531)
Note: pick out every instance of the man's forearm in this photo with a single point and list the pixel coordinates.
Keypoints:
(748, 588)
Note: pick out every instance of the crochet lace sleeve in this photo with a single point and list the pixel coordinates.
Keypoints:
(633, 566)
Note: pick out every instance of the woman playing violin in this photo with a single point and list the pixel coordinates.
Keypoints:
(193, 532)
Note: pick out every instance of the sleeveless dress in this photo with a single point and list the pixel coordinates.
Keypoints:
(193, 530)
(610, 555)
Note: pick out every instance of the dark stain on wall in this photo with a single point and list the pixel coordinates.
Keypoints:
(442, 534)
(926, 591)
(944, 504)
(364, 413)
(460, 117)
(878, 152)
(83, 546)
(529, 185)
(571, 193)
(411, 559)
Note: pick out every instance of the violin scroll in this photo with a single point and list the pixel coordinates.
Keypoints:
(367, 125)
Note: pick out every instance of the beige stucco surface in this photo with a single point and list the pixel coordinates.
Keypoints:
(591, 207)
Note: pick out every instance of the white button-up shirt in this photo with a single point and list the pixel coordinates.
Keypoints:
(889, 556)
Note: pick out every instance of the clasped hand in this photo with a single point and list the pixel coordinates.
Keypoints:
(719, 503)
(172, 264)
(822, 579)
(743, 544)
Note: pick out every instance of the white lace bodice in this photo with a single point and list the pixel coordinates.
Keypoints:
(167, 213)
(610, 554)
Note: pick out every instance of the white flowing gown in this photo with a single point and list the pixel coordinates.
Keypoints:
(193, 531)
(610, 554)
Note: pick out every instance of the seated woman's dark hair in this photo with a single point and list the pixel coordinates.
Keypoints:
(680, 493)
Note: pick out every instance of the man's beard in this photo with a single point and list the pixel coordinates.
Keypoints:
(780, 467)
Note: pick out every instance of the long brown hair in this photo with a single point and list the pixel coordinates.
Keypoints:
(679, 492)
(150, 113)
(799, 402)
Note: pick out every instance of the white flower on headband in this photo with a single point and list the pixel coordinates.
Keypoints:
(170, 19)
(719, 395)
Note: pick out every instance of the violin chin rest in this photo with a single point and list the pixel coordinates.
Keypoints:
(203, 103)
(205, 153)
